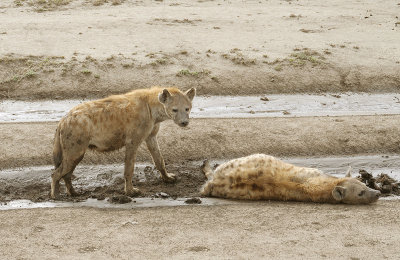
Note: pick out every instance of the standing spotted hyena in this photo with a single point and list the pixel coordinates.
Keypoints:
(109, 124)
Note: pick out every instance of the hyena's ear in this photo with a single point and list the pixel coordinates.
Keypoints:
(348, 173)
(338, 193)
(191, 93)
(164, 95)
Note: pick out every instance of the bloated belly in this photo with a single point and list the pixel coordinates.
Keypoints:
(108, 143)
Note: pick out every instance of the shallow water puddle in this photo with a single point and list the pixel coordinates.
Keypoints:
(94, 203)
(231, 106)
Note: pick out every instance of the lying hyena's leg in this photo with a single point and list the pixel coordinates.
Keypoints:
(206, 169)
(67, 179)
(130, 158)
(152, 145)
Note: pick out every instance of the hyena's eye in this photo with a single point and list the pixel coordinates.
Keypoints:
(361, 193)
(174, 110)
(187, 109)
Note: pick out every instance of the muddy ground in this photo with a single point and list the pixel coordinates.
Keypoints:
(93, 48)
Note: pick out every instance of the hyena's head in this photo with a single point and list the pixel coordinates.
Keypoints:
(177, 105)
(353, 191)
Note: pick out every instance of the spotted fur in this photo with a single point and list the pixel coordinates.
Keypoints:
(263, 177)
(114, 122)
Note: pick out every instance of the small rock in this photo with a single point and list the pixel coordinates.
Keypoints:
(148, 169)
(193, 201)
(101, 197)
(264, 99)
(120, 199)
(162, 195)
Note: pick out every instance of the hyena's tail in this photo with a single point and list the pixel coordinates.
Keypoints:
(206, 169)
(57, 150)
(208, 186)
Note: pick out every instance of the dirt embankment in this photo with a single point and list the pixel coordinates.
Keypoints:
(84, 49)
(223, 138)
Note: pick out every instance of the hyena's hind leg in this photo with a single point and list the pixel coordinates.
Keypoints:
(208, 172)
(206, 169)
(64, 171)
(67, 179)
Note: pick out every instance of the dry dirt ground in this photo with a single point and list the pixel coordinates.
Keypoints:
(260, 230)
(60, 49)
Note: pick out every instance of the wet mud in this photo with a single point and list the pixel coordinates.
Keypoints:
(105, 183)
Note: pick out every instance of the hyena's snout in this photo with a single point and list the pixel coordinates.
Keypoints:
(183, 123)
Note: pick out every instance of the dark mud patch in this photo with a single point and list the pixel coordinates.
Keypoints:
(106, 183)
(383, 182)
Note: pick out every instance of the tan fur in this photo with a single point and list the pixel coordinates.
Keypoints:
(109, 124)
(262, 176)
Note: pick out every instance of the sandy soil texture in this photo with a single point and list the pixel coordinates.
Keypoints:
(262, 230)
(240, 47)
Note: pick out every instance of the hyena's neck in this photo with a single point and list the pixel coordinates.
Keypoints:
(157, 110)
(320, 189)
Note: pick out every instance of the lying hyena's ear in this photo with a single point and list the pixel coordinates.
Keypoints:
(338, 193)
(191, 93)
(164, 95)
(348, 173)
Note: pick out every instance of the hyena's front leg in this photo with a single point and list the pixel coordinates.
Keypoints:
(130, 157)
(152, 145)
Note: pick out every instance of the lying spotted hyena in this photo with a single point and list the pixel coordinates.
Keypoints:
(260, 176)
(116, 121)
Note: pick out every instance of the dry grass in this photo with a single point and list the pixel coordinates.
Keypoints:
(42, 5)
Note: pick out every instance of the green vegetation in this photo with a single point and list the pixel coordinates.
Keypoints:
(187, 72)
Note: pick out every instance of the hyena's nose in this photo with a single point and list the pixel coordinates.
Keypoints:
(184, 123)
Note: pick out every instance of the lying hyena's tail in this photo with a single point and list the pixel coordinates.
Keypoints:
(57, 150)
(206, 169)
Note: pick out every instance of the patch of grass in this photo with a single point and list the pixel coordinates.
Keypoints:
(30, 74)
(86, 72)
(47, 5)
(238, 58)
(161, 61)
(187, 72)
(19, 3)
(301, 58)
(278, 67)
(99, 2)
(117, 2)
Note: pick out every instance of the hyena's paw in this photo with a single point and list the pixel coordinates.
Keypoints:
(169, 178)
(133, 192)
(55, 190)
